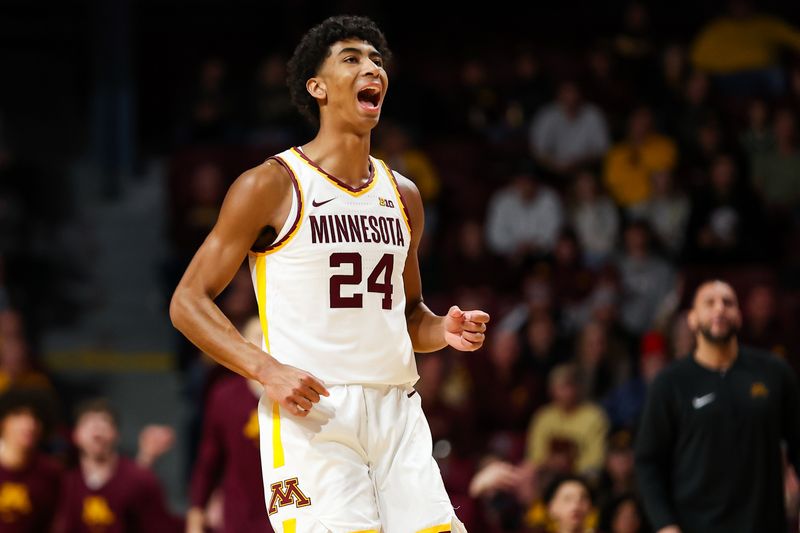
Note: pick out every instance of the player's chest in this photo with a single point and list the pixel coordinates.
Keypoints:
(336, 221)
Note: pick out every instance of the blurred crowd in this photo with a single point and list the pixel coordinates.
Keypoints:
(64, 472)
(577, 196)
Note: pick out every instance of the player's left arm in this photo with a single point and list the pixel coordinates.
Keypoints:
(463, 330)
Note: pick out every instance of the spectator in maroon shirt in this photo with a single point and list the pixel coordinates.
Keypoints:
(108, 493)
(29, 481)
(229, 455)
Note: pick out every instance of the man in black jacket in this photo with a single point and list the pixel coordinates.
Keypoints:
(708, 453)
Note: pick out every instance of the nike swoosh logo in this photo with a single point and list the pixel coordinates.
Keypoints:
(702, 401)
(317, 204)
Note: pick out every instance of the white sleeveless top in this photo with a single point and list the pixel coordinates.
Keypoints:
(330, 289)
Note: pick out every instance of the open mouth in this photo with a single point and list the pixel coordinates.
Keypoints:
(370, 98)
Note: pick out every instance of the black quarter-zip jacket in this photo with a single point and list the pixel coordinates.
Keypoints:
(708, 448)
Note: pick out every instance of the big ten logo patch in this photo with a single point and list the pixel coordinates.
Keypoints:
(96, 512)
(286, 492)
(384, 202)
(759, 390)
(251, 428)
(14, 501)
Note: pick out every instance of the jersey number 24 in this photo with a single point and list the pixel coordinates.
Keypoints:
(356, 301)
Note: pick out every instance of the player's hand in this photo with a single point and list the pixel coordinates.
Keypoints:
(294, 389)
(154, 441)
(669, 529)
(465, 330)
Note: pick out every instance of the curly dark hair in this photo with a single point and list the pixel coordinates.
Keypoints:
(315, 46)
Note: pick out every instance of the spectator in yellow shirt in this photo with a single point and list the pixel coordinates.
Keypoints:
(630, 163)
(571, 419)
(742, 50)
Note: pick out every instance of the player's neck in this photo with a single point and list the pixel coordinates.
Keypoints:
(716, 356)
(344, 155)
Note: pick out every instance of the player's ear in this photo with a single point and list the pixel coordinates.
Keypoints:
(691, 319)
(316, 88)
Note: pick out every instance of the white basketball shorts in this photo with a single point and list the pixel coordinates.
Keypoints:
(360, 462)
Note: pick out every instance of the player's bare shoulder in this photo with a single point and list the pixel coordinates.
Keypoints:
(269, 181)
(262, 195)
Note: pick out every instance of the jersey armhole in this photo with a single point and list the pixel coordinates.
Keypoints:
(398, 194)
(292, 224)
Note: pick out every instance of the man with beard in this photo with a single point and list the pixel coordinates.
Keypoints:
(708, 455)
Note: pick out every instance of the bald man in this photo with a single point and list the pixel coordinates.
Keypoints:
(708, 453)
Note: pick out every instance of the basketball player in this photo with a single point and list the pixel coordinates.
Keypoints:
(331, 235)
(708, 452)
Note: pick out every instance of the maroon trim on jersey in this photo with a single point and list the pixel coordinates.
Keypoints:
(336, 180)
(400, 197)
(299, 214)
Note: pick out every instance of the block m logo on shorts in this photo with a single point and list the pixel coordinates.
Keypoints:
(286, 492)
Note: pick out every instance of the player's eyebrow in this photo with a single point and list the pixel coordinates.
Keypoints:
(351, 50)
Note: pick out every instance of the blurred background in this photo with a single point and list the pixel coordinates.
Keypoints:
(583, 167)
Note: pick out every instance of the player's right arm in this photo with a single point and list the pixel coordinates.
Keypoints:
(258, 199)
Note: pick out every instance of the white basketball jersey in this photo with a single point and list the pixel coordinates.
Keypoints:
(330, 289)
